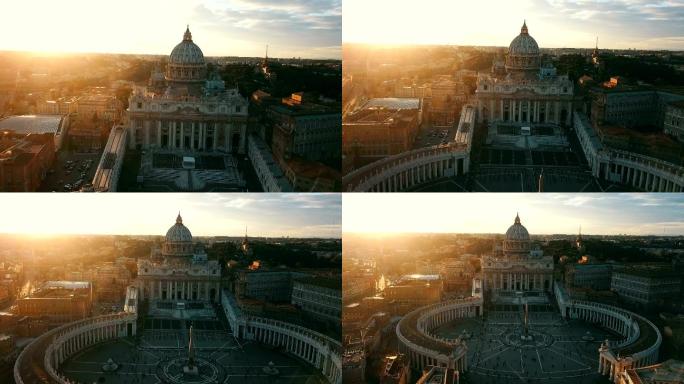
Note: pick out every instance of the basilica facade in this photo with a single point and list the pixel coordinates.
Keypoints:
(186, 109)
(523, 90)
(516, 266)
(179, 271)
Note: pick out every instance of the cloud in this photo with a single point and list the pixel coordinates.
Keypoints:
(289, 27)
(238, 203)
(579, 200)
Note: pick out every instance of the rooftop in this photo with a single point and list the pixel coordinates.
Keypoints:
(324, 282)
(303, 109)
(647, 337)
(32, 124)
(657, 144)
(67, 284)
(311, 170)
(669, 371)
(658, 271)
(408, 327)
(421, 277)
(392, 103)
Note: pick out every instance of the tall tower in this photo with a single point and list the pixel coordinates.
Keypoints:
(579, 242)
(244, 247)
(595, 55)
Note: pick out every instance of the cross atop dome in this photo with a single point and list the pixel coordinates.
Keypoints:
(524, 30)
(187, 36)
(179, 219)
(517, 218)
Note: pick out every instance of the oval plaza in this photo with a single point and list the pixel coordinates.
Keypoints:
(179, 325)
(520, 324)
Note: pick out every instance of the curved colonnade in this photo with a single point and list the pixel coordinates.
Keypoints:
(422, 347)
(41, 359)
(409, 169)
(640, 341)
(318, 350)
(641, 172)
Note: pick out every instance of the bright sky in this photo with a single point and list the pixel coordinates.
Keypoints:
(619, 24)
(292, 28)
(205, 214)
(548, 213)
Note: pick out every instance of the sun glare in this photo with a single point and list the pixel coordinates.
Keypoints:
(490, 212)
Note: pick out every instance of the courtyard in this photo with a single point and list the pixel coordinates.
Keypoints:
(160, 354)
(560, 352)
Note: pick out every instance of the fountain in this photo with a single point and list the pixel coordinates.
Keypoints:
(110, 366)
(190, 368)
(271, 369)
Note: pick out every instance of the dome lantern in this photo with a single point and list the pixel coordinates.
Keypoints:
(187, 36)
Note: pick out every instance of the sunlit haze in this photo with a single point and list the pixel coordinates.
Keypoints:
(270, 215)
(632, 214)
(619, 24)
(220, 27)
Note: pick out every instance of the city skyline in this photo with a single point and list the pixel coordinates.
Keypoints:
(542, 214)
(559, 23)
(207, 214)
(222, 27)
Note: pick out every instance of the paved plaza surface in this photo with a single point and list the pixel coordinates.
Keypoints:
(561, 351)
(159, 357)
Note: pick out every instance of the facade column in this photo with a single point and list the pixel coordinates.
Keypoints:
(514, 111)
(146, 138)
(159, 142)
(214, 139)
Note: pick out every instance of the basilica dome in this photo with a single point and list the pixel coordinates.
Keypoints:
(178, 241)
(517, 231)
(524, 44)
(517, 241)
(186, 52)
(523, 53)
(186, 62)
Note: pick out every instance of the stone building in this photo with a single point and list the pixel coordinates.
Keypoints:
(524, 91)
(180, 271)
(517, 266)
(319, 297)
(187, 109)
(674, 120)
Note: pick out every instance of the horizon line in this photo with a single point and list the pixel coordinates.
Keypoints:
(499, 46)
(499, 233)
(54, 53)
(162, 235)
